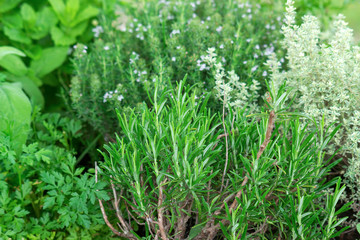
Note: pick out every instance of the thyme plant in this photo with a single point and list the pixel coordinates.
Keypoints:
(168, 39)
(324, 69)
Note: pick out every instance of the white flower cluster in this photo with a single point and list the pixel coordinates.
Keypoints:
(97, 31)
(229, 88)
(327, 76)
(113, 94)
(137, 74)
(174, 32)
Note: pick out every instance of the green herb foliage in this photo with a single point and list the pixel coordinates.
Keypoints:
(169, 166)
(43, 31)
(44, 195)
(168, 39)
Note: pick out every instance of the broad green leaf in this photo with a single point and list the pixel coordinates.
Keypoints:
(72, 8)
(10, 50)
(17, 35)
(33, 51)
(76, 30)
(28, 14)
(60, 38)
(15, 114)
(358, 227)
(12, 21)
(6, 5)
(13, 64)
(50, 59)
(85, 14)
(46, 19)
(59, 8)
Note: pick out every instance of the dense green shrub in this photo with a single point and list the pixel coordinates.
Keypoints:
(43, 195)
(326, 74)
(167, 39)
(167, 173)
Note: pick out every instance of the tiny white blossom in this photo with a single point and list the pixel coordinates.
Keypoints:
(97, 30)
(120, 98)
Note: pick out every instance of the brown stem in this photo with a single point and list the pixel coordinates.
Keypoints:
(127, 228)
(270, 127)
(184, 217)
(106, 218)
(210, 230)
(160, 212)
(208, 189)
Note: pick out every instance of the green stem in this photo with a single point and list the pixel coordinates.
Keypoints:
(87, 149)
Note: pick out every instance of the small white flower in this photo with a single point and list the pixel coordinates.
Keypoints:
(202, 67)
(256, 56)
(178, 47)
(120, 98)
(264, 74)
(219, 29)
(144, 72)
(106, 48)
(254, 68)
(208, 18)
(174, 32)
(244, 62)
(173, 59)
(97, 30)
(222, 46)
(248, 40)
